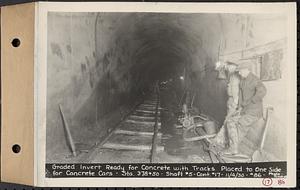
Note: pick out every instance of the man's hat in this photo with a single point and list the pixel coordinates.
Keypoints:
(231, 63)
(219, 65)
(244, 65)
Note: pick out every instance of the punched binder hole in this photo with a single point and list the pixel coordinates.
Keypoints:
(16, 148)
(16, 42)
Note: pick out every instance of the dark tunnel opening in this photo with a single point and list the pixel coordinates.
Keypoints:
(162, 46)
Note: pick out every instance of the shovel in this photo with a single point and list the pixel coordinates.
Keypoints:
(258, 154)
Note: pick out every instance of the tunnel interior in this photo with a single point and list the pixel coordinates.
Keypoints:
(106, 62)
(161, 47)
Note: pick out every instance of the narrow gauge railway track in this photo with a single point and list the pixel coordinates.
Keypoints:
(138, 134)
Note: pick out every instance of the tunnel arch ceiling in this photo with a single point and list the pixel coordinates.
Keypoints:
(191, 38)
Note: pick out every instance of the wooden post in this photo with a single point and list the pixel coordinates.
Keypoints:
(68, 133)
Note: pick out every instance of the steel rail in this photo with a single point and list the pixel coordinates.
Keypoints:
(155, 136)
(101, 142)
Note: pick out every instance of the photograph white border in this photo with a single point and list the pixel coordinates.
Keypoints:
(42, 8)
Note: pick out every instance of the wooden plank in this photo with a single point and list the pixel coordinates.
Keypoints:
(146, 107)
(118, 146)
(147, 104)
(148, 118)
(68, 132)
(145, 119)
(128, 142)
(150, 102)
(17, 82)
(146, 111)
(129, 139)
(148, 123)
(139, 114)
(142, 114)
(136, 127)
(149, 107)
(254, 51)
(140, 133)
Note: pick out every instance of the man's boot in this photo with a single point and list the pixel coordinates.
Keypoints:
(233, 139)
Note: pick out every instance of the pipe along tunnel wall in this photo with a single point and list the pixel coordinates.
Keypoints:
(99, 65)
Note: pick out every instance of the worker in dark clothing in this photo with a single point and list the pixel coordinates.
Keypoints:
(250, 107)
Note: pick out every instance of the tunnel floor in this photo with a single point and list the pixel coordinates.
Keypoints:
(132, 140)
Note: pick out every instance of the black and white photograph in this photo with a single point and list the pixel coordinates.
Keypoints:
(167, 87)
(164, 87)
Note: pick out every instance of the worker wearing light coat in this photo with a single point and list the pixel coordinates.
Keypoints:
(227, 71)
(232, 88)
